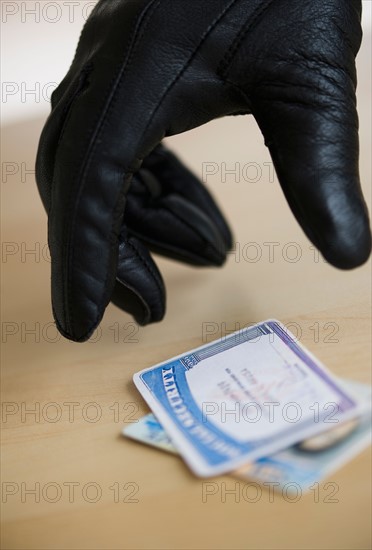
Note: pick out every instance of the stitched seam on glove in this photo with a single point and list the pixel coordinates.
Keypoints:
(148, 267)
(67, 110)
(111, 106)
(186, 224)
(187, 64)
(137, 34)
(253, 20)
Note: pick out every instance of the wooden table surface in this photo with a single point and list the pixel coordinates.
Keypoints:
(69, 479)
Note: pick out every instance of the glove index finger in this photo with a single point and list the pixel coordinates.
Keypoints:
(93, 167)
(316, 158)
(84, 240)
(110, 126)
(306, 109)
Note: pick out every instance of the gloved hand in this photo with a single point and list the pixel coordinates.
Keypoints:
(145, 69)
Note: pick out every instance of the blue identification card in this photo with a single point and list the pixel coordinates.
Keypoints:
(244, 397)
(297, 467)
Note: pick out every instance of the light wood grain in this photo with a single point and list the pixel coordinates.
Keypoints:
(170, 512)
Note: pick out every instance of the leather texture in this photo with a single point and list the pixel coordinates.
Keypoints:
(146, 69)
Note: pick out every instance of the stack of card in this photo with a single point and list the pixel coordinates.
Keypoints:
(255, 403)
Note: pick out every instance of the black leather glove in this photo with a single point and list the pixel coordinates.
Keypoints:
(170, 212)
(145, 69)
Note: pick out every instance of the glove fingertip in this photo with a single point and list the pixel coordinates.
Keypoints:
(132, 302)
(348, 251)
(139, 288)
